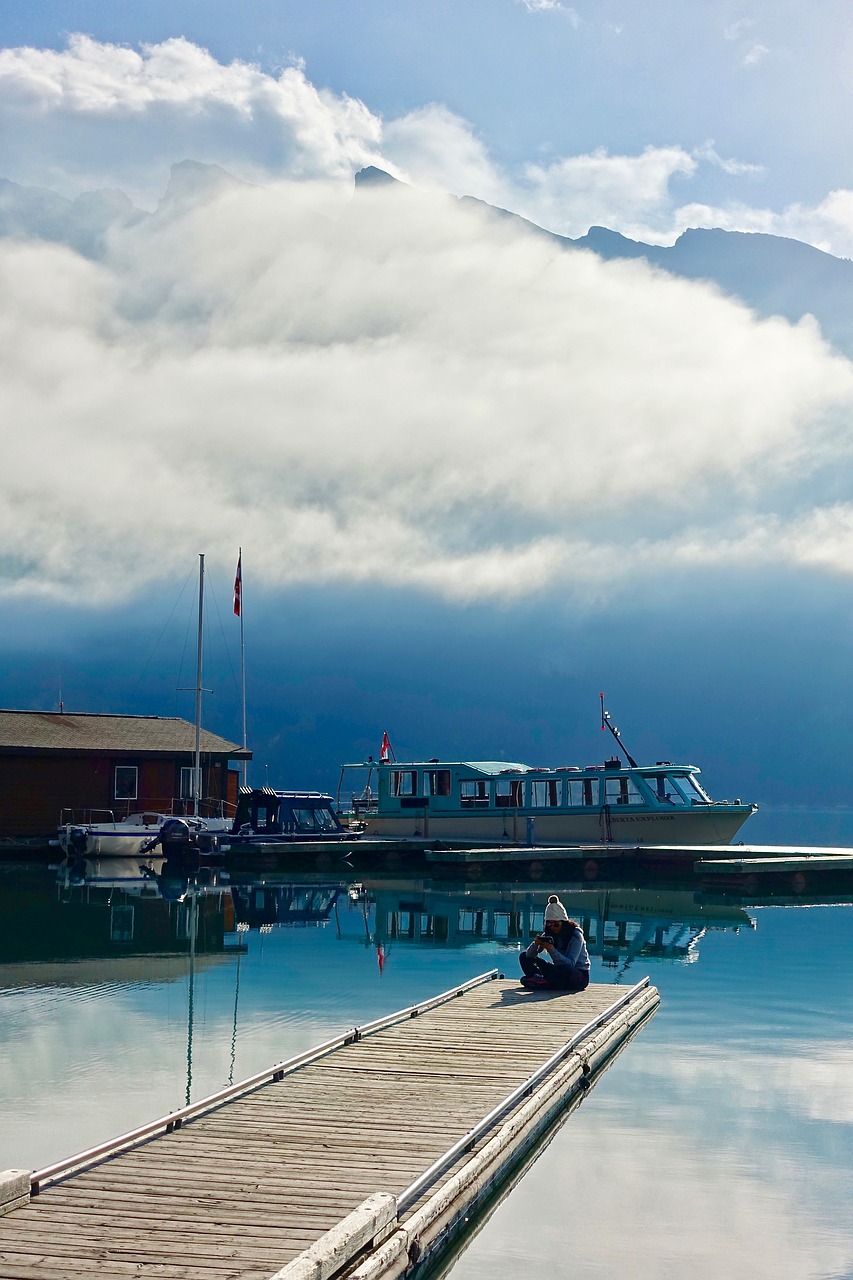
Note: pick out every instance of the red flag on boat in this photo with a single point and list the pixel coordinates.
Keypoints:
(238, 586)
(385, 753)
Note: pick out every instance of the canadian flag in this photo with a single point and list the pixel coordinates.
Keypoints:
(385, 753)
(238, 586)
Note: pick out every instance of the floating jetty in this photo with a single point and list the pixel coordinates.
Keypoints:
(361, 1158)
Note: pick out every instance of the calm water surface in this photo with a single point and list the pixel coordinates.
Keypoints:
(720, 1142)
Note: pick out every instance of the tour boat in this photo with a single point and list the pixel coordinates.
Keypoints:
(492, 801)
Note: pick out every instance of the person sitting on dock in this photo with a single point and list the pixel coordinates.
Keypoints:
(566, 967)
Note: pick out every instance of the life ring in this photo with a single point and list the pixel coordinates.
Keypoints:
(798, 882)
(535, 870)
(590, 869)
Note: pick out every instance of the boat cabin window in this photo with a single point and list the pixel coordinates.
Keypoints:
(437, 782)
(693, 792)
(404, 782)
(306, 819)
(125, 781)
(509, 793)
(325, 820)
(675, 789)
(622, 791)
(581, 791)
(262, 818)
(545, 793)
(473, 791)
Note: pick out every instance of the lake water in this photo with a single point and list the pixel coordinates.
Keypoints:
(720, 1141)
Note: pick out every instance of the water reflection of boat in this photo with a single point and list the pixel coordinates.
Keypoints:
(106, 873)
(296, 905)
(620, 925)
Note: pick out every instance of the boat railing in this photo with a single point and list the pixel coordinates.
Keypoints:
(363, 803)
(86, 817)
(209, 807)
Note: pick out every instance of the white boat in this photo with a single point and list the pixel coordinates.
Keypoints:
(496, 802)
(101, 835)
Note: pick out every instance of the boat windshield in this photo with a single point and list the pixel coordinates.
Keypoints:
(313, 819)
(676, 788)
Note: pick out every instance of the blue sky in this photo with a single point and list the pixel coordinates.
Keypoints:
(476, 479)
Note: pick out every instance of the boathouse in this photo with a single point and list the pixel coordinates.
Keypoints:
(56, 767)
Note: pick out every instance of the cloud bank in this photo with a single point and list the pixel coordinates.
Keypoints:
(405, 391)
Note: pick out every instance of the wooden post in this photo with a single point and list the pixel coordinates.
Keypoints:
(14, 1189)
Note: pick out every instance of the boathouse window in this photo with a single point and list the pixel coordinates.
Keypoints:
(581, 791)
(121, 923)
(544, 793)
(404, 782)
(509, 793)
(126, 781)
(437, 782)
(473, 791)
(622, 791)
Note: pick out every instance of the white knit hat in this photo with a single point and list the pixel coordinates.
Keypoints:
(555, 909)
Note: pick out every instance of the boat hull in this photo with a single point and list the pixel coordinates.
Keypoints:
(714, 824)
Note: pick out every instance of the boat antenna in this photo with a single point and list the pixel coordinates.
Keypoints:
(607, 723)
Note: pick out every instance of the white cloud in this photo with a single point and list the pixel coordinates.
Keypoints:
(572, 194)
(827, 225)
(553, 6)
(413, 393)
(405, 391)
(121, 116)
(756, 53)
(734, 167)
(103, 115)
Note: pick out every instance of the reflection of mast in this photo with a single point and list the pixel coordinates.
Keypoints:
(234, 1025)
(192, 925)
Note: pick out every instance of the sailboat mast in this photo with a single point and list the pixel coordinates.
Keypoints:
(243, 668)
(197, 769)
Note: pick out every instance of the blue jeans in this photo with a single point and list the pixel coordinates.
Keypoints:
(562, 977)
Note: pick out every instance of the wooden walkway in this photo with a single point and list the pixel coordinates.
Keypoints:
(253, 1179)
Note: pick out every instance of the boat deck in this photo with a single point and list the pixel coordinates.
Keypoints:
(238, 1186)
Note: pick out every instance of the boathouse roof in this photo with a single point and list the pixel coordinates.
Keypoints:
(39, 731)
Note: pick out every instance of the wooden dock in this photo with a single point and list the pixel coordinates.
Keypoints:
(361, 1157)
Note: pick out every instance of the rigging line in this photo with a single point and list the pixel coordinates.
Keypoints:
(156, 644)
